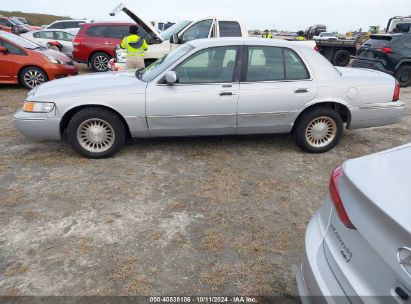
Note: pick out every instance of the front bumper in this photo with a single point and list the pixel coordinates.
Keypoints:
(57, 71)
(316, 282)
(372, 64)
(37, 126)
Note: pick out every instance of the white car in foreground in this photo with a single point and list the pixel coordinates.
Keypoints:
(358, 245)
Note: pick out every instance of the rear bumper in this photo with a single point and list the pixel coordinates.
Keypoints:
(37, 126)
(376, 115)
(370, 64)
(316, 282)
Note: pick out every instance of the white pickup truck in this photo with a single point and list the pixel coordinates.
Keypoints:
(162, 44)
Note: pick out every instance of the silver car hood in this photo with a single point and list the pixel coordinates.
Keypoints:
(109, 83)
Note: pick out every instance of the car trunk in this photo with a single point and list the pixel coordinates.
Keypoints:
(155, 36)
(375, 191)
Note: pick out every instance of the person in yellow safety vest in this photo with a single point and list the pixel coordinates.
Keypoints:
(300, 36)
(267, 34)
(135, 47)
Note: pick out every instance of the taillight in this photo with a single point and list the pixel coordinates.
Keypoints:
(316, 48)
(387, 50)
(335, 197)
(396, 95)
(77, 41)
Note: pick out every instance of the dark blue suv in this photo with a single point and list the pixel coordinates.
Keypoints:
(389, 53)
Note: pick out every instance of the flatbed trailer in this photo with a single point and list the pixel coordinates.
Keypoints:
(338, 52)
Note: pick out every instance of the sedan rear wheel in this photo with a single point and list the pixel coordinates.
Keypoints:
(318, 130)
(96, 133)
(32, 77)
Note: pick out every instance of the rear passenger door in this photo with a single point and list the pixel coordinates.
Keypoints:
(275, 85)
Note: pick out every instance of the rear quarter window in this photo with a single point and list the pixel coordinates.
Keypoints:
(295, 68)
(229, 29)
(117, 31)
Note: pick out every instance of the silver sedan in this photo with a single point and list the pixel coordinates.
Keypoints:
(214, 87)
(358, 245)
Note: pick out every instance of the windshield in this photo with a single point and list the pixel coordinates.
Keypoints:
(160, 65)
(16, 22)
(175, 29)
(24, 43)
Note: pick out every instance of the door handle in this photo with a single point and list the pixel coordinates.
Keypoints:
(108, 43)
(297, 91)
(227, 93)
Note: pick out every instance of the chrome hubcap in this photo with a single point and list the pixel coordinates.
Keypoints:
(101, 63)
(95, 135)
(321, 132)
(33, 78)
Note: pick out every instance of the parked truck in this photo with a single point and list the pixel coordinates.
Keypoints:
(160, 44)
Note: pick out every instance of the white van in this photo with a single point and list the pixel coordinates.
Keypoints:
(179, 33)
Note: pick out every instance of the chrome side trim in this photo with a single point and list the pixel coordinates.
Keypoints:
(190, 115)
(381, 107)
(264, 113)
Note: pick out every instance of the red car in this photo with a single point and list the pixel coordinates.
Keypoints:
(27, 63)
(95, 43)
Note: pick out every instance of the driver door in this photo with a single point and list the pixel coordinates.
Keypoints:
(7, 71)
(203, 101)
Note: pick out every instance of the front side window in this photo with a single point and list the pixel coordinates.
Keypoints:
(295, 68)
(229, 29)
(213, 65)
(265, 64)
(12, 49)
(197, 31)
(58, 25)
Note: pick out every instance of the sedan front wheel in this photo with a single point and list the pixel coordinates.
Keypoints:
(318, 130)
(96, 133)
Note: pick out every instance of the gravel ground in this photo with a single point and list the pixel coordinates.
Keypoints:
(180, 216)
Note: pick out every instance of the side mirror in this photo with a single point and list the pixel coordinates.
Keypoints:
(174, 39)
(3, 50)
(171, 77)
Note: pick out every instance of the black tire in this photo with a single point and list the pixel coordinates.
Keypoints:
(31, 77)
(403, 75)
(79, 137)
(99, 62)
(330, 118)
(342, 58)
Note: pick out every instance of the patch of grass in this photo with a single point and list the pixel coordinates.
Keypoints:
(34, 19)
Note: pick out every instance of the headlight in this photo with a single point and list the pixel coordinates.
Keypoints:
(38, 107)
(53, 59)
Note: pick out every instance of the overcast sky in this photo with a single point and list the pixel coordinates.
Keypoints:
(338, 15)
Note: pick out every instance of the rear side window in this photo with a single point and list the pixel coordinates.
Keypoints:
(96, 31)
(117, 31)
(265, 64)
(229, 29)
(274, 64)
(295, 68)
